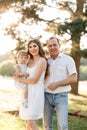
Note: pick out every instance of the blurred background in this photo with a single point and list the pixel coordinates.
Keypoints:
(22, 20)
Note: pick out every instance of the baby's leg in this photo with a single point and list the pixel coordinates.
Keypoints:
(26, 92)
(25, 101)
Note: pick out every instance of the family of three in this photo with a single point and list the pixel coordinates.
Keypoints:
(45, 84)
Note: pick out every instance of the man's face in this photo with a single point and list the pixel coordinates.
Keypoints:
(53, 47)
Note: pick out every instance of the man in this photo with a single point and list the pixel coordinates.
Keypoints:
(62, 74)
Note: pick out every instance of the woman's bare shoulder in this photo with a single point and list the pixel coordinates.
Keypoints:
(42, 60)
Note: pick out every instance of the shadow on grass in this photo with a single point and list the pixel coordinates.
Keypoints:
(82, 95)
(79, 102)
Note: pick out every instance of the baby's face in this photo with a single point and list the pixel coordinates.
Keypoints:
(23, 59)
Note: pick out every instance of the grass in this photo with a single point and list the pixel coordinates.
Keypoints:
(13, 122)
(9, 100)
(10, 122)
(76, 123)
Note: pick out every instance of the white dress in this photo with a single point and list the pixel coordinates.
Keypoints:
(35, 107)
(19, 85)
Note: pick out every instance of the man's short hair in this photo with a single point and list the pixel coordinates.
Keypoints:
(54, 38)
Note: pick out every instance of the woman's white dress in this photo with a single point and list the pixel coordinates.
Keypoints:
(19, 85)
(35, 107)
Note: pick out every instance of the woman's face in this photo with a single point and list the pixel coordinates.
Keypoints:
(33, 49)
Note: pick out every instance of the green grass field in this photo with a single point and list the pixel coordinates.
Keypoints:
(9, 100)
(13, 122)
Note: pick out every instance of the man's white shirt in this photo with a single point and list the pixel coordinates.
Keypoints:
(60, 69)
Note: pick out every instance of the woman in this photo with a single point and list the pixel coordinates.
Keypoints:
(37, 69)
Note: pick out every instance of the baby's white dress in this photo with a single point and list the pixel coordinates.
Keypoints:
(35, 107)
(19, 85)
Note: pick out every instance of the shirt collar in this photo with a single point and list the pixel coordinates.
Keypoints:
(59, 56)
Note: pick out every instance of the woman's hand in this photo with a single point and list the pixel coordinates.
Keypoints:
(26, 74)
(15, 76)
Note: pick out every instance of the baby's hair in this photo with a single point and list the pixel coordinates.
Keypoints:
(22, 52)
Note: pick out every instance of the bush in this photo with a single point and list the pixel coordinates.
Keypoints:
(7, 68)
(83, 61)
(83, 73)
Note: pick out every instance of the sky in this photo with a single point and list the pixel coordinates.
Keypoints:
(7, 43)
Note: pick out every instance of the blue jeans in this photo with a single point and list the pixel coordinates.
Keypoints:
(60, 103)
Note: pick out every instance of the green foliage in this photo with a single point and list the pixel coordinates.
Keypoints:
(83, 69)
(83, 73)
(84, 53)
(83, 61)
(7, 68)
(75, 27)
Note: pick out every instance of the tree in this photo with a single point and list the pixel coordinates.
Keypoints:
(75, 26)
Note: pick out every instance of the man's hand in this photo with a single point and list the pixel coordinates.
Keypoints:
(52, 86)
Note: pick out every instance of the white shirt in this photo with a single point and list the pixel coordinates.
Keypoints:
(60, 69)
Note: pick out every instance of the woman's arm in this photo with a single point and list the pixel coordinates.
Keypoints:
(19, 73)
(40, 67)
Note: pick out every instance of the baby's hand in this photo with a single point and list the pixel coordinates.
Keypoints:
(26, 74)
(16, 74)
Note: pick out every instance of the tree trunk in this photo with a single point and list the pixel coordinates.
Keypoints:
(76, 56)
(76, 85)
(80, 4)
(76, 46)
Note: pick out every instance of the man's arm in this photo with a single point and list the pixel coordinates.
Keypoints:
(69, 80)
